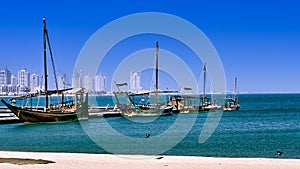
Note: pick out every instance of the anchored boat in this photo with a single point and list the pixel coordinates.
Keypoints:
(62, 110)
(232, 103)
(143, 108)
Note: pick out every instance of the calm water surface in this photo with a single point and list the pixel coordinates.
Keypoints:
(265, 124)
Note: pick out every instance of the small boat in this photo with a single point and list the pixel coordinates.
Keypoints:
(195, 103)
(141, 107)
(69, 110)
(103, 111)
(186, 103)
(231, 103)
(208, 104)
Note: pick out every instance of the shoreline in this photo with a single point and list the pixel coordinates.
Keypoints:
(11, 160)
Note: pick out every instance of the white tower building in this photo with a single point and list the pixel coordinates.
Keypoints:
(100, 83)
(34, 82)
(5, 80)
(23, 80)
(76, 80)
(135, 81)
(88, 83)
(5, 77)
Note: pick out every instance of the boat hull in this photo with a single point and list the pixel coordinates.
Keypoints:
(145, 112)
(33, 116)
(231, 108)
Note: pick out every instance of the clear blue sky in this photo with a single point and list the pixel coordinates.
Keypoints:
(257, 41)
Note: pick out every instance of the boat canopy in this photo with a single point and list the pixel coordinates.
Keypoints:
(74, 91)
(41, 93)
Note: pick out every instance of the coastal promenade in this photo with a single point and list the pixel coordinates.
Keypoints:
(32, 160)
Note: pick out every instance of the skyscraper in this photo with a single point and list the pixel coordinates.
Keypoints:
(34, 82)
(88, 83)
(100, 83)
(5, 77)
(135, 81)
(12, 88)
(14, 80)
(77, 80)
(23, 80)
(5, 80)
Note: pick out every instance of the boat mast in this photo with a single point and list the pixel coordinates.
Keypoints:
(45, 62)
(204, 84)
(235, 84)
(156, 76)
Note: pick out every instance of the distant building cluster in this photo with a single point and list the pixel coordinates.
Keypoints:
(23, 83)
(26, 82)
(97, 84)
(92, 84)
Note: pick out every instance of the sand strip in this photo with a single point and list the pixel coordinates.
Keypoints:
(91, 161)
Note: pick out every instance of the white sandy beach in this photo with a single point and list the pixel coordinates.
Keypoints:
(91, 161)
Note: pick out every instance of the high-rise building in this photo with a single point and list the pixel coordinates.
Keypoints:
(5, 80)
(14, 80)
(135, 81)
(89, 83)
(23, 80)
(5, 77)
(12, 88)
(77, 80)
(100, 83)
(42, 83)
(63, 82)
(34, 82)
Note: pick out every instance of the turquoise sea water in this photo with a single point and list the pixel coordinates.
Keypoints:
(266, 123)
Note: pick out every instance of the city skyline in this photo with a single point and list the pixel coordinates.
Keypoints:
(26, 82)
(33, 82)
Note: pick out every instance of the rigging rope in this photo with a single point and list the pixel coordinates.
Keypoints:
(53, 66)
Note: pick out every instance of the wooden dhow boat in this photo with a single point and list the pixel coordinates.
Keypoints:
(143, 109)
(62, 110)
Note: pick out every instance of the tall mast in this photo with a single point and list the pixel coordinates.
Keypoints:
(235, 84)
(156, 76)
(45, 61)
(204, 84)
